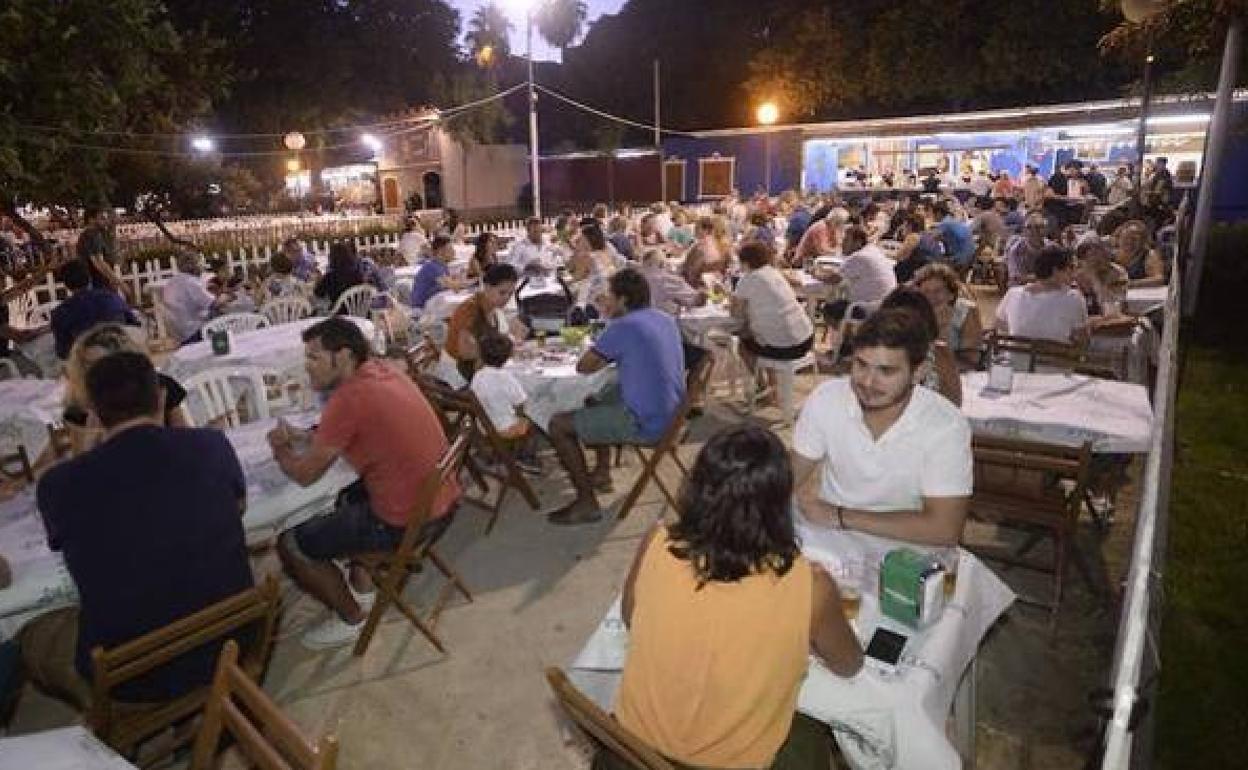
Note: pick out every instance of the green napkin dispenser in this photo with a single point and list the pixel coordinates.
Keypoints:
(911, 587)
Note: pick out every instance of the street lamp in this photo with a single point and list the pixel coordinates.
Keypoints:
(371, 142)
(767, 115)
(203, 144)
(375, 146)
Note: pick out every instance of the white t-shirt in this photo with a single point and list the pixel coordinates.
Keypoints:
(869, 274)
(1045, 315)
(499, 393)
(525, 253)
(926, 453)
(775, 316)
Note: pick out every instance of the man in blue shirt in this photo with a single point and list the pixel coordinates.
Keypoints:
(645, 346)
(799, 220)
(150, 524)
(434, 276)
(956, 236)
(86, 307)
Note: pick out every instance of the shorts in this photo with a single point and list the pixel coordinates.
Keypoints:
(352, 528)
(791, 353)
(607, 421)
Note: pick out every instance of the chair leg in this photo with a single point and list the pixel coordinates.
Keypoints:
(647, 471)
(1061, 548)
(420, 624)
(385, 591)
(784, 381)
(451, 575)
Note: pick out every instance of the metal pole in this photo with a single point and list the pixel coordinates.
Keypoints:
(1141, 131)
(534, 165)
(1215, 144)
(767, 162)
(658, 136)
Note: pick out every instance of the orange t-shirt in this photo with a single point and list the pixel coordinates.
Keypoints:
(381, 423)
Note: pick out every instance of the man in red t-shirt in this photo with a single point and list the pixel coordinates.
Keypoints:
(381, 424)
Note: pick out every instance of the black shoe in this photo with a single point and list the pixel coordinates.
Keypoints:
(570, 515)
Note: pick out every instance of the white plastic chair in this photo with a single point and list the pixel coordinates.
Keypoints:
(235, 322)
(212, 397)
(786, 377)
(40, 315)
(284, 310)
(356, 301)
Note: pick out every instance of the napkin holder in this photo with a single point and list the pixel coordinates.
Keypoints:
(1001, 377)
(912, 588)
(222, 342)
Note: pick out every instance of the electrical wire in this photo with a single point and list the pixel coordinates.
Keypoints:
(607, 115)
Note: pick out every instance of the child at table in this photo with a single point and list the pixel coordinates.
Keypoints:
(502, 397)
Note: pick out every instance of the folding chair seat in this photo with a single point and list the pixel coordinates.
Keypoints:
(1039, 488)
(124, 725)
(263, 733)
(606, 733)
(667, 446)
(390, 570)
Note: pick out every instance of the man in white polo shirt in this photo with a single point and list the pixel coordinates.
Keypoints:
(893, 459)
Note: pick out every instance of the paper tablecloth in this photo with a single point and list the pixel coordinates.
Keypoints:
(1064, 409)
(879, 721)
(26, 409)
(278, 348)
(67, 748)
(555, 387)
(1146, 299)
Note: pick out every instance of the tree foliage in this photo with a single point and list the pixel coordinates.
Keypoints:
(561, 22)
(489, 29)
(78, 74)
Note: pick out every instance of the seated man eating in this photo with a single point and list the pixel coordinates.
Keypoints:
(150, 525)
(380, 422)
(894, 459)
(645, 346)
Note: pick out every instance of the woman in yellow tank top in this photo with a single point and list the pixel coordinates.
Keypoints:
(722, 609)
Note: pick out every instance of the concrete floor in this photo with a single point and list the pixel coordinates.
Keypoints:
(540, 590)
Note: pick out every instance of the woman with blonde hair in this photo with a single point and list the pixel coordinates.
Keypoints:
(1136, 255)
(956, 314)
(91, 346)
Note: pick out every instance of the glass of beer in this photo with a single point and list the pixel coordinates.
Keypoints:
(949, 558)
(849, 578)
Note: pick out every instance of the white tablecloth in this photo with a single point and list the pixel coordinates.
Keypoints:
(278, 348)
(26, 408)
(274, 503)
(698, 321)
(1062, 409)
(1146, 299)
(67, 748)
(553, 386)
(879, 721)
(442, 305)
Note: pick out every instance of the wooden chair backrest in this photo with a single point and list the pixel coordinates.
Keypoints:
(257, 606)
(1027, 469)
(265, 735)
(600, 726)
(1064, 355)
(449, 465)
(421, 357)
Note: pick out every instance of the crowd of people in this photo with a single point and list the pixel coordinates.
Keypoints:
(883, 449)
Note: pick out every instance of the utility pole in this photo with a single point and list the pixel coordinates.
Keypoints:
(658, 135)
(534, 165)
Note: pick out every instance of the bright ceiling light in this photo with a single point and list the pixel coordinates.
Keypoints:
(203, 144)
(371, 142)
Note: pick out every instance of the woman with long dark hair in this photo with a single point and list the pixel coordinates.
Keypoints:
(344, 272)
(722, 608)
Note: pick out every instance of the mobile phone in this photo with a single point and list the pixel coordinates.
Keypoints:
(884, 649)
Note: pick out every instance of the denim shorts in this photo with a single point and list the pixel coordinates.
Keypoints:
(352, 528)
(606, 421)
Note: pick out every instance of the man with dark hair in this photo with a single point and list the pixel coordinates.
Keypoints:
(955, 234)
(302, 263)
(893, 459)
(380, 423)
(96, 248)
(143, 553)
(869, 274)
(435, 274)
(86, 307)
(645, 346)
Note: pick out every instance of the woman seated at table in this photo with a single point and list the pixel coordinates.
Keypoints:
(710, 253)
(722, 609)
(592, 256)
(344, 273)
(1104, 285)
(1048, 308)
(282, 281)
(957, 316)
(776, 324)
(91, 346)
(648, 234)
(919, 246)
(1135, 253)
(481, 314)
(940, 371)
(484, 254)
(680, 233)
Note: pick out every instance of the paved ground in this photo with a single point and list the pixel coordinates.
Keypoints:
(540, 590)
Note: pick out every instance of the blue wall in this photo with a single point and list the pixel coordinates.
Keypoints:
(750, 150)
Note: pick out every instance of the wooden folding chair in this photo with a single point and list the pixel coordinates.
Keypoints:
(461, 405)
(122, 725)
(606, 733)
(1040, 488)
(390, 570)
(265, 735)
(1065, 356)
(667, 446)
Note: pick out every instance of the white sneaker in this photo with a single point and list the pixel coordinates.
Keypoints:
(334, 632)
(365, 600)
